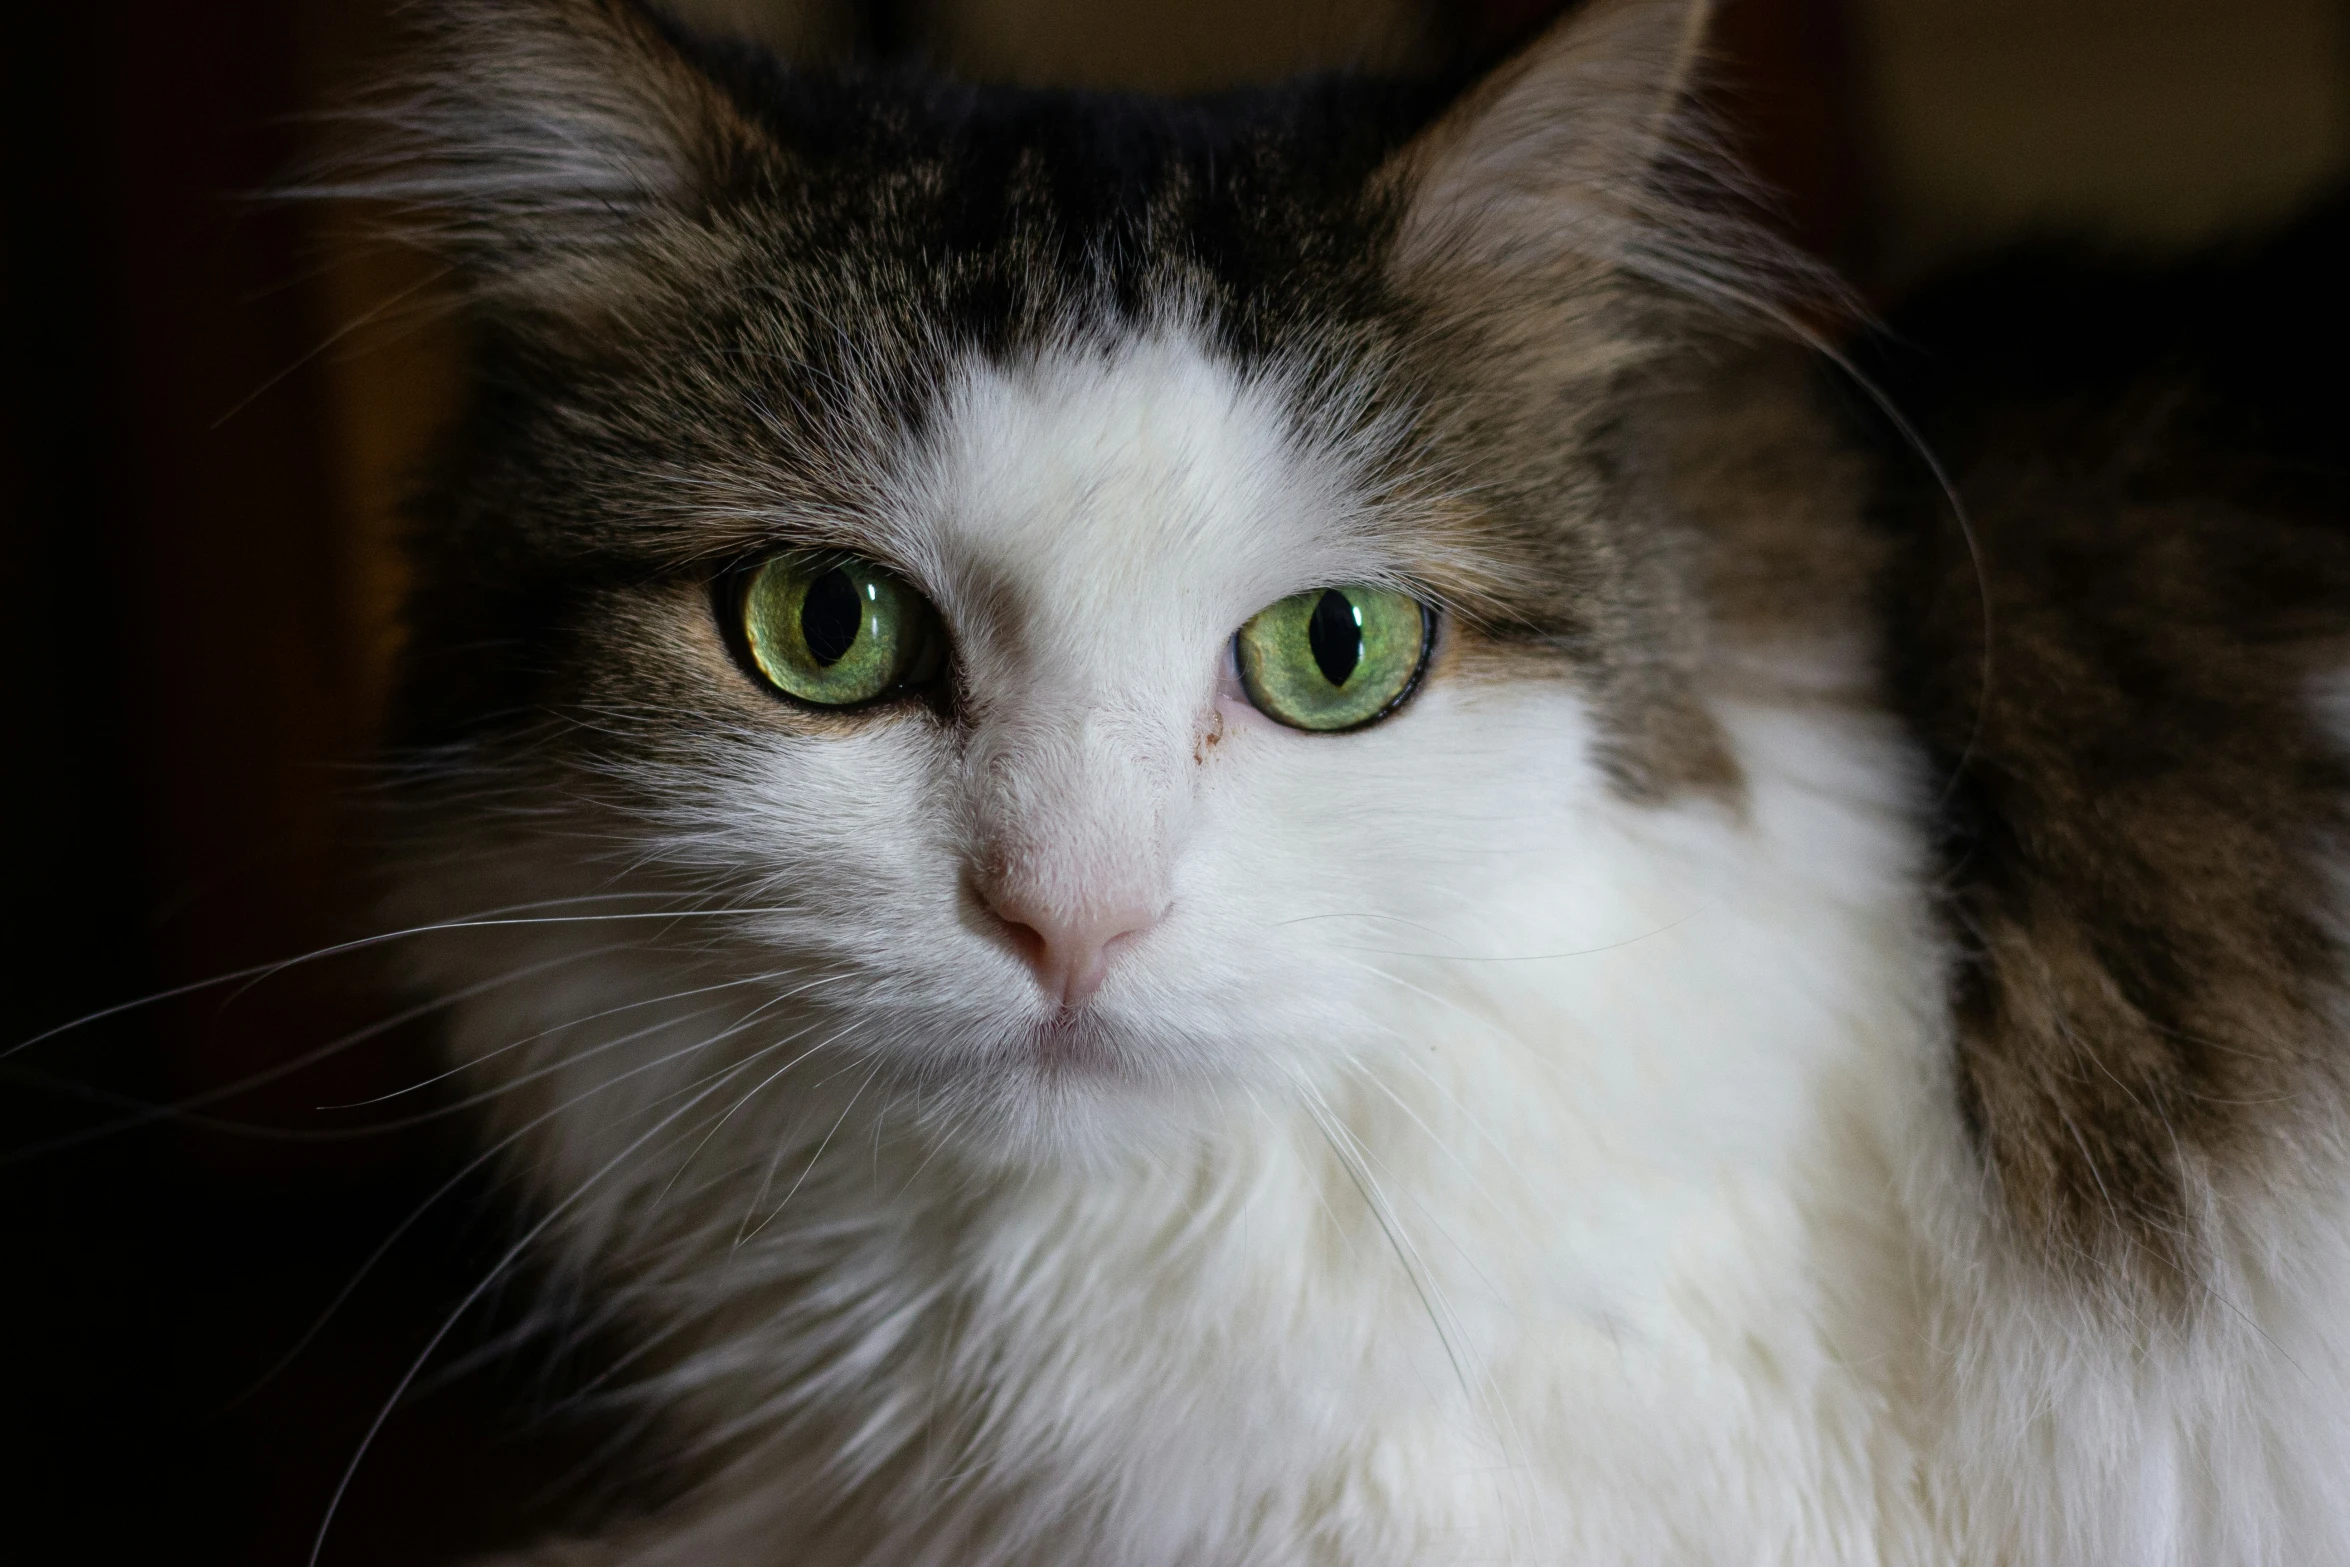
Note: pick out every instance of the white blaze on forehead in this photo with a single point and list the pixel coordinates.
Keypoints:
(1095, 522)
(1105, 516)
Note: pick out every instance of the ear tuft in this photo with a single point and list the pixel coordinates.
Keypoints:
(532, 140)
(1579, 157)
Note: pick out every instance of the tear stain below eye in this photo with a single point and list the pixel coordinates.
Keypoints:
(1208, 737)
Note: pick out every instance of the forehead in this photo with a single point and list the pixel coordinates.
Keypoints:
(990, 200)
(1042, 348)
(1149, 483)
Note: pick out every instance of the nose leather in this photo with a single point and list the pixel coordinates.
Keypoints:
(1068, 950)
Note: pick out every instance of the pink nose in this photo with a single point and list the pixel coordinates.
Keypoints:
(1069, 952)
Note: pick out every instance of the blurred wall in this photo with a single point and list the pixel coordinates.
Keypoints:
(2151, 120)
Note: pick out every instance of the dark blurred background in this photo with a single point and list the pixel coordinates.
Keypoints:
(215, 403)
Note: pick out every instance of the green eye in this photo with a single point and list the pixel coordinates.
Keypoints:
(835, 630)
(1333, 658)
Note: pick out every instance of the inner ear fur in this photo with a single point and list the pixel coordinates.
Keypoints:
(540, 144)
(1550, 161)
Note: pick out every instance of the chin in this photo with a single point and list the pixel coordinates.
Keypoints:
(1080, 1088)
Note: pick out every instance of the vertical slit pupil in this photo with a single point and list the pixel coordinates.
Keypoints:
(1334, 635)
(829, 617)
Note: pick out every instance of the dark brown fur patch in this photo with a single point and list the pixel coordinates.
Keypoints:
(2140, 811)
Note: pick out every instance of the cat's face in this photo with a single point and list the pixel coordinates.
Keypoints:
(1071, 421)
(1088, 782)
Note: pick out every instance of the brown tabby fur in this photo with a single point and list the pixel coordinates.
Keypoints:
(2117, 680)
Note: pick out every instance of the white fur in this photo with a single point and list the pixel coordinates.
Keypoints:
(1477, 1166)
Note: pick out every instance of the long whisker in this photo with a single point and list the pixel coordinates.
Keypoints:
(1540, 957)
(383, 1249)
(557, 1028)
(1485, 1024)
(360, 323)
(264, 971)
(817, 1155)
(775, 1160)
(147, 1112)
(1356, 1159)
(1347, 1151)
(473, 1296)
(284, 1134)
(720, 1124)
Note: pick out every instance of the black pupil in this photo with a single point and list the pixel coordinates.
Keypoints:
(1335, 638)
(829, 616)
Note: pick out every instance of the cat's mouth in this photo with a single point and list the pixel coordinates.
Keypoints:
(1073, 1042)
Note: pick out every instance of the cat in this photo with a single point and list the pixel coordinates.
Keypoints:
(1279, 829)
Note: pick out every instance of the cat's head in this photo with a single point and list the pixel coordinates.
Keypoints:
(1072, 594)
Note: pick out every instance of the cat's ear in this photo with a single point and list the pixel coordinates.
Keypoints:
(1551, 161)
(544, 145)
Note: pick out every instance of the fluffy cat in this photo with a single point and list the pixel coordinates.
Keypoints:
(1251, 831)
